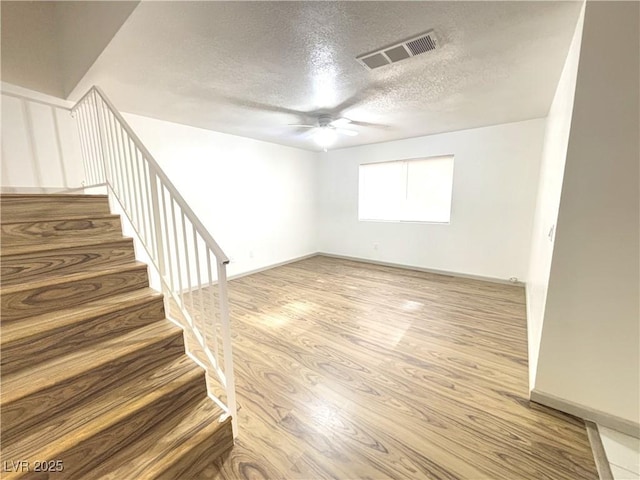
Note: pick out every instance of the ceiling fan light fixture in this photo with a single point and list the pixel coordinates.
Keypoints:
(325, 137)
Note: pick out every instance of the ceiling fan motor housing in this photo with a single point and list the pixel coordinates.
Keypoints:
(324, 120)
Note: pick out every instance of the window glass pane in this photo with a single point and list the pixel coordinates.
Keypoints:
(429, 187)
(417, 190)
(381, 191)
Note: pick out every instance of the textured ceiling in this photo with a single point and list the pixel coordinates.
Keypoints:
(251, 68)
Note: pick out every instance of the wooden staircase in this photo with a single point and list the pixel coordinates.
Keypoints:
(95, 380)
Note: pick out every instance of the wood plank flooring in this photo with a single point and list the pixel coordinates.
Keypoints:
(348, 370)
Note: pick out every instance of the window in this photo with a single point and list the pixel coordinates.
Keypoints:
(417, 190)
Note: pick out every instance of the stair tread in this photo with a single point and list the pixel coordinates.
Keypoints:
(10, 250)
(71, 277)
(40, 324)
(164, 445)
(75, 425)
(41, 376)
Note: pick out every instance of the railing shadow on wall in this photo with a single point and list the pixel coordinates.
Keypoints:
(37, 152)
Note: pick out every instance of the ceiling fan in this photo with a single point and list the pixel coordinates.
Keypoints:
(327, 129)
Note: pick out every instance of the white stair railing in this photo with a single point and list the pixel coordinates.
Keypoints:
(191, 265)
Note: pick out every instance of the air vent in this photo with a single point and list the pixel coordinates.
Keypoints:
(396, 54)
(376, 60)
(423, 43)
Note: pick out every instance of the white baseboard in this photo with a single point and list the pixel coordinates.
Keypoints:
(273, 265)
(599, 454)
(421, 269)
(527, 305)
(42, 190)
(373, 262)
(257, 270)
(587, 413)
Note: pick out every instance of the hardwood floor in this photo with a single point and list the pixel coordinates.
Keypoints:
(348, 370)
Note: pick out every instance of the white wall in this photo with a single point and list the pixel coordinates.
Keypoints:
(590, 346)
(40, 144)
(554, 154)
(494, 188)
(257, 199)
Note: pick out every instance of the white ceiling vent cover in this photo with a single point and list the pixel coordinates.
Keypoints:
(423, 43)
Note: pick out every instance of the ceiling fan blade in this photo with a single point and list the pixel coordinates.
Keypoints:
(302, 126)
(263, 107)
(368, 124)
(363, 95)
(340, 122)
(344, 131)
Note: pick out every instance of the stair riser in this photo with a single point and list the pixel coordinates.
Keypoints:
(36, 301)
(18, 416)
(131, 434)
(184, 439)
(202, 455)
(177, 373)
(30, 266)
(25, 208)
(35, 349)
(82, 458)
(60, 231)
